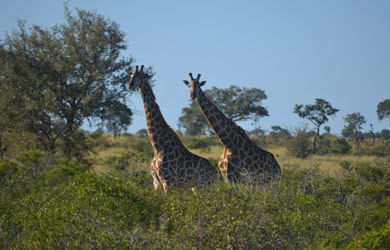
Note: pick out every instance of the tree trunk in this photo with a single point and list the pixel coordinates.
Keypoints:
(314, 149)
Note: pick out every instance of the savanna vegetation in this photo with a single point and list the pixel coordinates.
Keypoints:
(65, 188)
(329, 200)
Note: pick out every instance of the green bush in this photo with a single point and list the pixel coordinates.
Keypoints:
(300, 144)
(340, 146)
(375, 239)
(7, 169)
(323, 145)
(62, 205)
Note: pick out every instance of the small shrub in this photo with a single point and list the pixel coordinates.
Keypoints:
(96, 134)
(346, 165)
(7, 169)
(128, 159)
(376, 239)
(139, 144)
(323, 145)
(371, 173)
(340, 146)
(59, 175)
(300, 144)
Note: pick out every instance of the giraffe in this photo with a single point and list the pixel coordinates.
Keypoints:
(240, 155)
(172, 164)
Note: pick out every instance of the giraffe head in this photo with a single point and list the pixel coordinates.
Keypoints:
(137, 77)
(194, 85)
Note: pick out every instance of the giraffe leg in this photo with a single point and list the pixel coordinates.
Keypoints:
(156, 181)
(165, 187)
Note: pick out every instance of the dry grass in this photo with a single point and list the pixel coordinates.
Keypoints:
(328, 164)
(213, 152)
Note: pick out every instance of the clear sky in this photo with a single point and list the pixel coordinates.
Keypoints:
(295, 51)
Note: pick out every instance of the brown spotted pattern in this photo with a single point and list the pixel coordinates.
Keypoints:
(173, 165)
(240, 155)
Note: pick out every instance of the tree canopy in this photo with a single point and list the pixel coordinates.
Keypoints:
(354, 123)
(238, 104)
(316, 113)
(383, 110)
(66, 75)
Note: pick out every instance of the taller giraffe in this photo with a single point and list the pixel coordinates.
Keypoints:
(240, 155)
(172, 164)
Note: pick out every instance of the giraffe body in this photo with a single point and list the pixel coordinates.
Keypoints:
(172, 165)
(240, 155)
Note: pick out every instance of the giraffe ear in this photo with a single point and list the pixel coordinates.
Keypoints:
(202, 83)
(186, 82)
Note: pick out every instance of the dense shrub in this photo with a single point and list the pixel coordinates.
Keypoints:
(323, 145)
(300, 144)
(375, 239)
(340, 146)
(63, 205)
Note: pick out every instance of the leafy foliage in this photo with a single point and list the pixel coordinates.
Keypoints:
(354, 123)
(300, 145)
(62, 76)
(192, 120)
(317, 113)
(383, 110)
(238, 104)
(51, 203)
(340, 146)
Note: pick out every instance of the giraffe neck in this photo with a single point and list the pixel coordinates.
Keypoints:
(222, 126)
(159, 131)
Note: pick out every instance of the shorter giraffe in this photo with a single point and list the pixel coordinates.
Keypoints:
(172, 164)
(240, 155)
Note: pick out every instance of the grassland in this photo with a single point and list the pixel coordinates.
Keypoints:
(327, 164)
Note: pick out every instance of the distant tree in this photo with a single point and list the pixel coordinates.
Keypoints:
(67, 75)
(277, 130)
(383, 110)
(192, 120)
(238, 104)
(317, 113)
(327, 129)
(299, 144)
(256, 132)
(118, 118)
(142, 131)
(372, 134)
(385, 134)
(354, 123)
(340, 146)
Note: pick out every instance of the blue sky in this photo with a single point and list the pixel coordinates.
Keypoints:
(295, 51)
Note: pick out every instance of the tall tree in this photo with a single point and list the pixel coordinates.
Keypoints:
(67, 75)
(192, 120)
(317, 114)
(383, 110)
(354, 123)
(117, 118)
(238, 104)
(12, 110)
